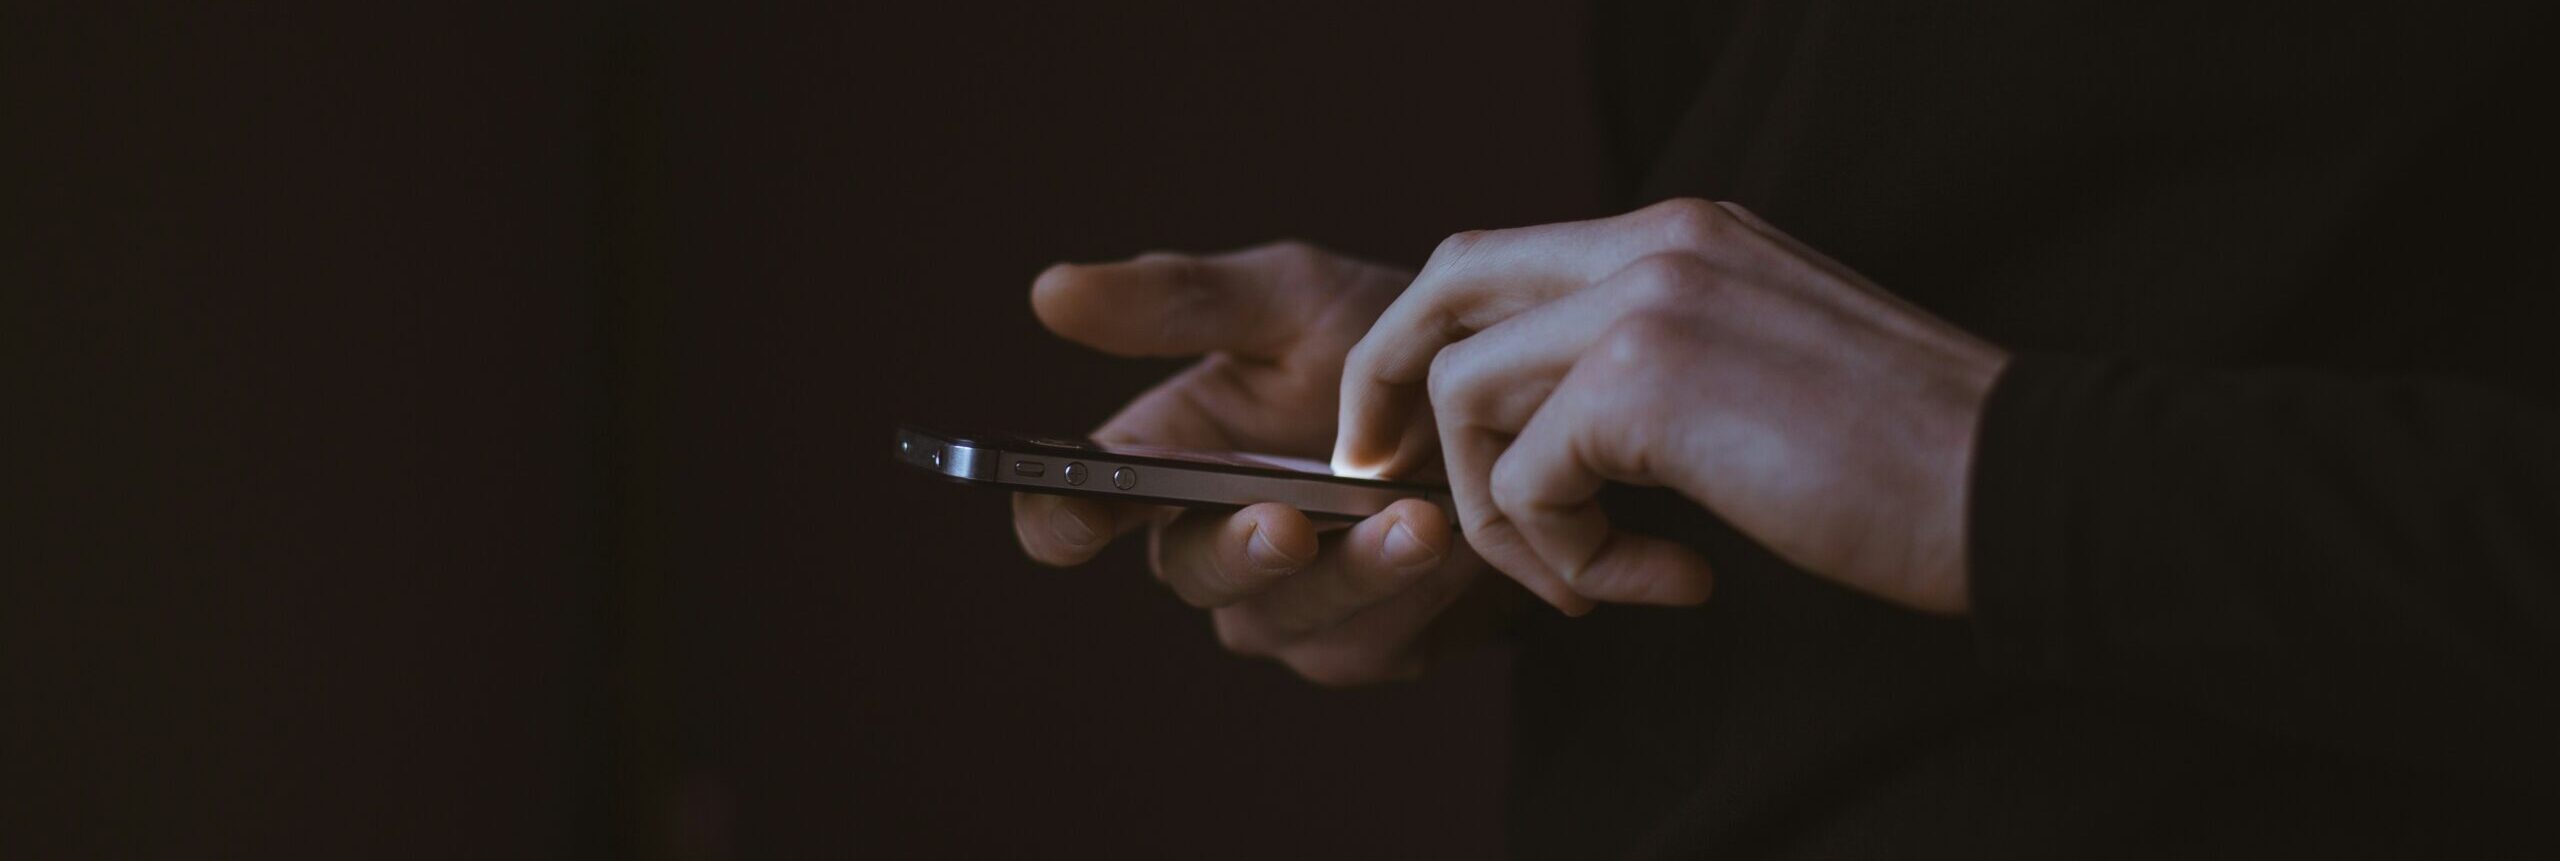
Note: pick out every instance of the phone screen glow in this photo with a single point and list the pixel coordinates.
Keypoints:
(1227, 458)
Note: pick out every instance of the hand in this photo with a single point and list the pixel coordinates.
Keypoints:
(1689, 345)
(1371, 603)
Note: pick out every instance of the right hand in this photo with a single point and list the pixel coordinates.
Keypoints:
(1375, 602)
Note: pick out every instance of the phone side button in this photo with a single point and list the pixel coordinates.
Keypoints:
(1029, 468)
(1074, 473)
(1124, 478)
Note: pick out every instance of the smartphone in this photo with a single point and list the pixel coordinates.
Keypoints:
(1151, 474)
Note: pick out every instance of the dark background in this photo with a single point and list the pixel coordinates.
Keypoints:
(460, 430)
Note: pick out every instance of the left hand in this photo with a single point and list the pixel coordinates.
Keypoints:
(1690, 345)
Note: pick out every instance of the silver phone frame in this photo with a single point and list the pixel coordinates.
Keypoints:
(1042, 467)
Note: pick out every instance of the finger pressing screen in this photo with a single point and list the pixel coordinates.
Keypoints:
(1474, 281)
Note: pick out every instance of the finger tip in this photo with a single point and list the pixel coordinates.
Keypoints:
(1647, 570)
(1054, 296)
(1052, 278)
(1350, 465)
(1427, 520)
(1570, 598)
(1271, 511)
(1404, 549)
(1690, 581)
(1559, 594)
(1286, 529)
(1697, 590)
(1275, 515)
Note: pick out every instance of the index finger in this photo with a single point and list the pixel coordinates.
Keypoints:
(1252, 302)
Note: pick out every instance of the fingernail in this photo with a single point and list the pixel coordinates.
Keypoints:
(1266, 556)
(1071, 528)
(1404, 550)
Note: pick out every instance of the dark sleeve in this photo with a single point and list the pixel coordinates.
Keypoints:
(2373, 564)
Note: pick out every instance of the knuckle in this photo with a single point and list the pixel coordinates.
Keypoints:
(1689, 222)
(1179, 266)
(1295, 251)
(1446, 381)
(1637, 341)
(1298, 260)
(1505, 548)
(1457, 245)
(1189, 274)
(1511, 485)
(1451, 253)
(1444, 368)
(1483, 523)
(1671, 280)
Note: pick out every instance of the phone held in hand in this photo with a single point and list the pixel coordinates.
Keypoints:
(1151, 474)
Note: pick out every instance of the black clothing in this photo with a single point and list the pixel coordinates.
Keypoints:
(2266, 514)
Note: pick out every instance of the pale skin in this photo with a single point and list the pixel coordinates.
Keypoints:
(1689, 345)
